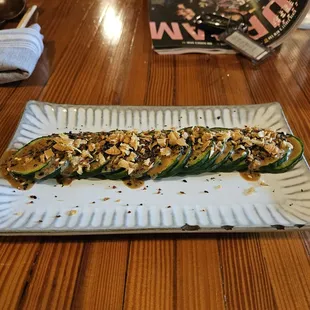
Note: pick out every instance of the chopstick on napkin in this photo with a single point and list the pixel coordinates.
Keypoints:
(20, 50)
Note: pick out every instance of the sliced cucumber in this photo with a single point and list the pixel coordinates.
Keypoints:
(26, 161)
(95, 169)
(293, 158)
(213, 157)
(200, 154)
(179, 167)
(117, 175)
(142, 171)
(238, 160)
(222, 158)
(51, 171)
(271, 163)
(165, 165)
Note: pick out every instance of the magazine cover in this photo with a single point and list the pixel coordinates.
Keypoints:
(269, 21)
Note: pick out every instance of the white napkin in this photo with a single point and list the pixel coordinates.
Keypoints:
(20, 50)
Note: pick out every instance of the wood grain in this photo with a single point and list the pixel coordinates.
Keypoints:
(161, 80)
(150, 275)
(245, 275)
(198, 274)
(17, 256)
(288, 269)
(53, 276)
(198, 81)
(99, 52)
(135, 88)
(102, 275)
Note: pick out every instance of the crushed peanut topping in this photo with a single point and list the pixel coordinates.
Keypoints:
(77, 153)
(113, 151)
(162, 142)
(165, 151)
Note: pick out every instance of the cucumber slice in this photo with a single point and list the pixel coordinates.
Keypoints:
(166, 164)
(198, 167)
(51, 171)
(26, 161)
(222, 158)
(271, 163)
(293, 158)
(94, 170)
(214, 154)
(197, 160)
(200, 154)
(236, 161)
(179, 167)
(112, 171)
(117, 175)
(142, 171)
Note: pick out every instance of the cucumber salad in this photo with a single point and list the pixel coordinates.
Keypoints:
(123, 154)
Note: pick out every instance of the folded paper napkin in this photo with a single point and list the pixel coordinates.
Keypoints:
(20, 50)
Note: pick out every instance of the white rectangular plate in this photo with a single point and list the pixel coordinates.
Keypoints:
(81, 208)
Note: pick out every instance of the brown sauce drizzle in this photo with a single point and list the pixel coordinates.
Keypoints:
(133, 183)
(250, 176)
(16, 182)
(64, 181)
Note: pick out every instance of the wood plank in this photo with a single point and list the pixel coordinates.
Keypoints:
(115, 70)
(235, 84)
(102, 274)
(52, 287)
(245, 275)
(102, 73)
(17, 255)
(198, 274)
(161, 80)
(135, 88)
(288, 269)
(198, 81)
(295, 53)
(211, 80)
(150, 275)
(63, 77)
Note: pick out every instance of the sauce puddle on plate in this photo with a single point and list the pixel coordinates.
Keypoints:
(250, 176)
(133, 183)
(16, 182)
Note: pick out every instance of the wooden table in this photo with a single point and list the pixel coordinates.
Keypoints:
(99, 52)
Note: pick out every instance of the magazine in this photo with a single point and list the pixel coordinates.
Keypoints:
(173, 28)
